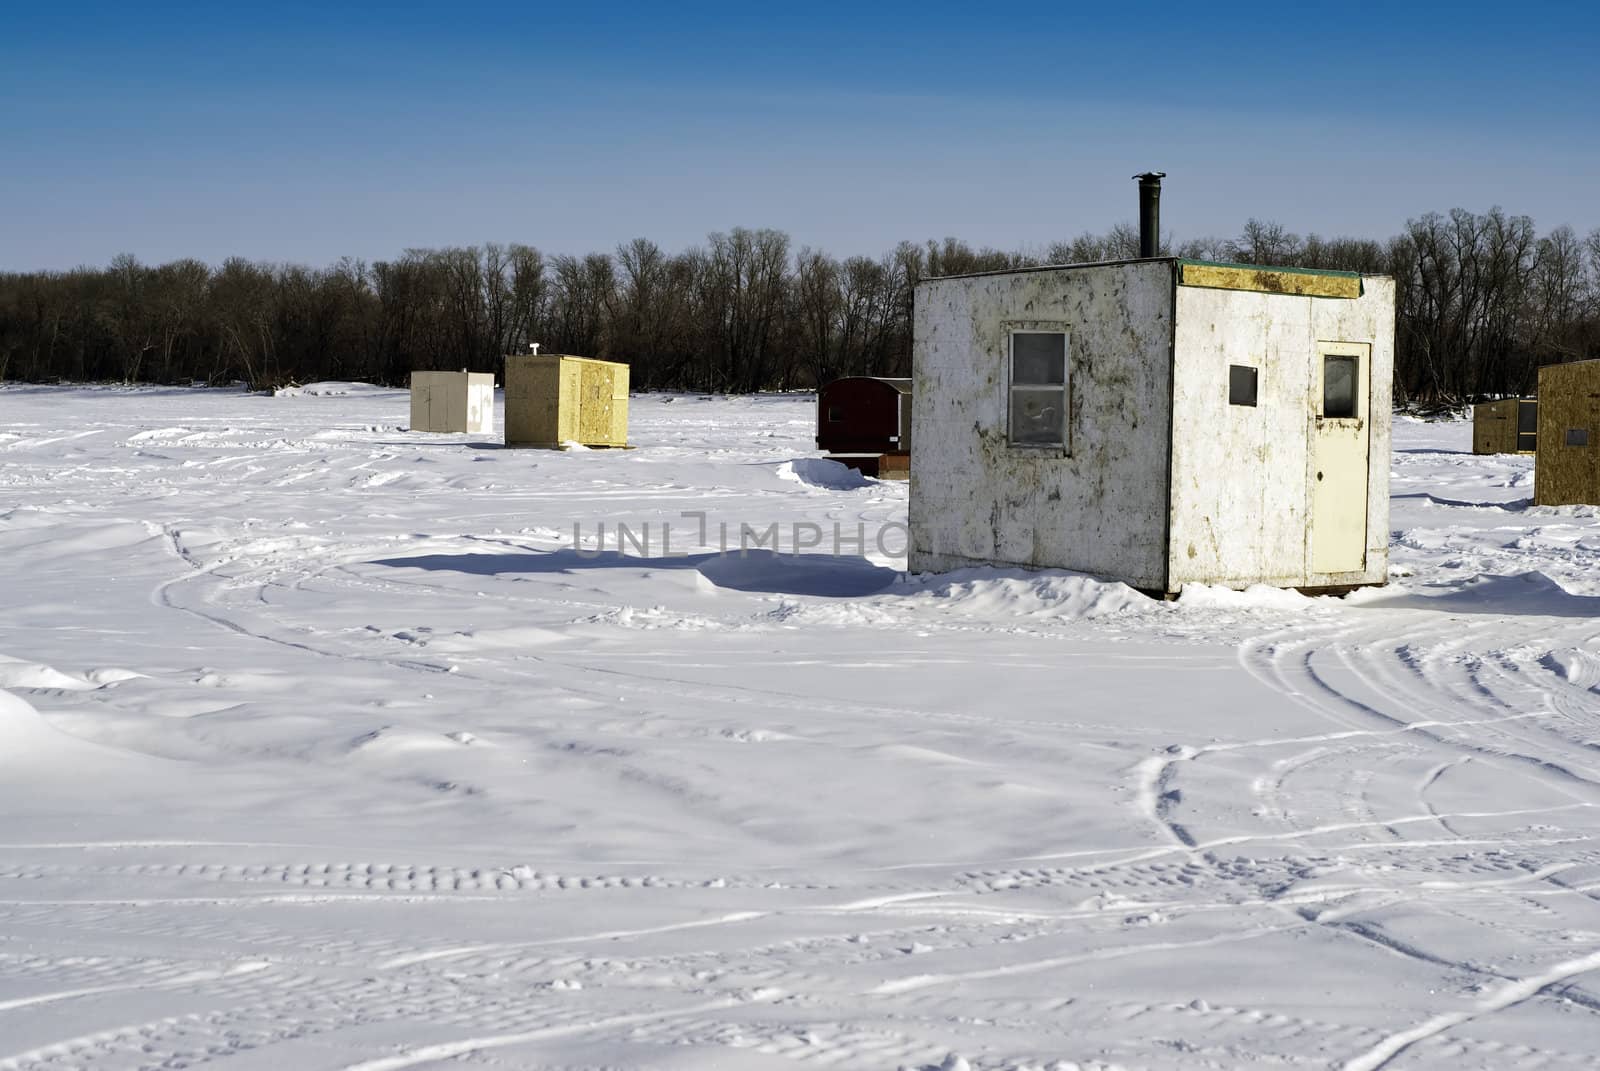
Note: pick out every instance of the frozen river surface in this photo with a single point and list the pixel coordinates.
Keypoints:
(322, 748)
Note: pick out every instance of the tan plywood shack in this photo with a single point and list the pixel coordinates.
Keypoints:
(1494, 427)
(553, 399)
(1504, 427)
(1567, 469)
(461, 402)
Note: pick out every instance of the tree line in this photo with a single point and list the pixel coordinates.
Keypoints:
(1483, 301)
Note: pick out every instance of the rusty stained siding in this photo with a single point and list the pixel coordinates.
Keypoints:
(1099, 507)
(1569, 400)
(1242, 475)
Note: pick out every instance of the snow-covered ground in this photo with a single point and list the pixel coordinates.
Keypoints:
(322, 747)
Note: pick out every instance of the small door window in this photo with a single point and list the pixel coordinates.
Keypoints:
(835, 414)
(1577, 436)
(1038, 403)
(1241, 385)
(1340, 386)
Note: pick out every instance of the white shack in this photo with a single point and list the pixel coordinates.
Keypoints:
(453, 401)
(1157, 421)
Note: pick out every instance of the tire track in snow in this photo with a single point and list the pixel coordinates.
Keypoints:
(1507, 996)
(192, 978)
(924, 981)
(1490, 738)
(1292, 667)
(379, 877)
(451, 1050)
(163, 596)
(728, 919)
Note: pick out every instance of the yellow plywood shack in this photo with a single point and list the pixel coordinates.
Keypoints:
(1567, 470)
(553, 399)
(452, 402)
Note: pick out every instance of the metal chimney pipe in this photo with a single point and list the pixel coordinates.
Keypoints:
(1150, 213)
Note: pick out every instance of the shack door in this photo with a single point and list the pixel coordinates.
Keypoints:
(1340, 454)
(1527, 426)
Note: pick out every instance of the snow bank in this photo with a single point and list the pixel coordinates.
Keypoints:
(1254, 597)
(30, 746)
(19, 722)
(1531, 593)
(823, 473)
(332, 388)
(157, 433)
(15, 673)
(1012, 593)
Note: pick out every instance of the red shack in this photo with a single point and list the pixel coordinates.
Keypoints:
(865, 422)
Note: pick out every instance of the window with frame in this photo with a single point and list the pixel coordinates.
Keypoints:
(1038, 388)
(1341, 383)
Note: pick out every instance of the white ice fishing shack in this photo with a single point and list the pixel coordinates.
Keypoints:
(1156, 421)
(453, 401)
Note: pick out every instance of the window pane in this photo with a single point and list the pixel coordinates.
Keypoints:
(1038, 358)
(835, 414)
(1577, 436)
(1339, 386)
(1241, 385)
(1038, 415)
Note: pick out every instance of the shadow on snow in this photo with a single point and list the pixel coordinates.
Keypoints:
(1526, 594)
(760, 571)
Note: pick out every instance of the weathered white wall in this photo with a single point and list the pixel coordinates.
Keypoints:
(1241, 476)
(977, 500)
(452, 402)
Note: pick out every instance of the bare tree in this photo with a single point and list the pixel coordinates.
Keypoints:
(1483, 300)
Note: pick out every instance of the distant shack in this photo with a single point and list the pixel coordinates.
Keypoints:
(1567, 469)
(460, 402)
(865, 422)
(1508, 426)
(555, 399)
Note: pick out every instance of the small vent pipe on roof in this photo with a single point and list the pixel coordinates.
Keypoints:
(1150, 212)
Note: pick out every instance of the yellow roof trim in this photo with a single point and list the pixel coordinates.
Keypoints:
(1270, 281)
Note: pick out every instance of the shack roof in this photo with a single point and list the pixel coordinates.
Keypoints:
(1328, 272)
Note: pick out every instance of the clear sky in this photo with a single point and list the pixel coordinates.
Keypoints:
(306, 132)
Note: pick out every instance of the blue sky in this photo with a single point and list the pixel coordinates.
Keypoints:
(307, 132)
